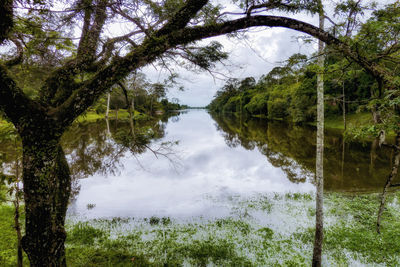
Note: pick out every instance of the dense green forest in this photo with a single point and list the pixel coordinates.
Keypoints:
(288, 91)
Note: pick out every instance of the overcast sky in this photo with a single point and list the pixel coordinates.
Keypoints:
(264, 49)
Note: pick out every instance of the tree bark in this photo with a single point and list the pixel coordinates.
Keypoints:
(6, 19)
(108, 104)
(392, 175)
(319, 223)
(47, 186)
(129, 107)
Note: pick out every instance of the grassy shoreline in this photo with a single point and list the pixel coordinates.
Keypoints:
(333, 123)
(265, 230)
(90, 116)
(352, 120)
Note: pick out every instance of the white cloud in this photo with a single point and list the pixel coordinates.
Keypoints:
(263, 49)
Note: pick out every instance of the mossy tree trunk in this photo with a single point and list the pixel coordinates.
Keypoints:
(47, 187)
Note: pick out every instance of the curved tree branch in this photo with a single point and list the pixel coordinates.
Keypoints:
(182, 16)
(152, 48)
(15, 104)
(6, 19)
(60, 84)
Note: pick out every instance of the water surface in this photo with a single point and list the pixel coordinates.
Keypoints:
(197, 164)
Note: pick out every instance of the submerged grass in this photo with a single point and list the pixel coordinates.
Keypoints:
(257, 233)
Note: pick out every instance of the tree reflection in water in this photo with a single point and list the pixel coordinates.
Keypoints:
(92, 150)
(98, 147)
(292, 148)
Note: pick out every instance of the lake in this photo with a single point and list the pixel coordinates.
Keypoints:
(195, 163)
(200, 189)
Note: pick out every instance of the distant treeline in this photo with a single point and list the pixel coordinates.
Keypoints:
(141, 95)
(289, 91)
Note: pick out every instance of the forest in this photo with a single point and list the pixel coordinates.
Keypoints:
(100, 166)
(288, 91)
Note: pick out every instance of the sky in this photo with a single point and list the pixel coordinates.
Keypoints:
(262, 50)
(255, 55)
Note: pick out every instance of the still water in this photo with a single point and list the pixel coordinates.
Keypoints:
(193, 165)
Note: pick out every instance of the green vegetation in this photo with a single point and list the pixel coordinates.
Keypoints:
(91, 116)
(244, 239)
(357, 168)
(352, 120)
(8, 236)
(288, 92)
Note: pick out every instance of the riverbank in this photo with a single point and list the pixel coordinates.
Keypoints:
(352, 120)
(264, 230)
(90, 116)
(333, 123)
(336, 122)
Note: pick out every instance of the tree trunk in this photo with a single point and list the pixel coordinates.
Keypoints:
(319, 226)
(392, 175)
(129, 107)
(108, 104)
(47, 186)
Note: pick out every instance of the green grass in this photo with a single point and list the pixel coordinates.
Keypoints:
(352, 120)
(93, 116)
(237, 240)
(4, 125)
(90, 116)
(8, 238)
